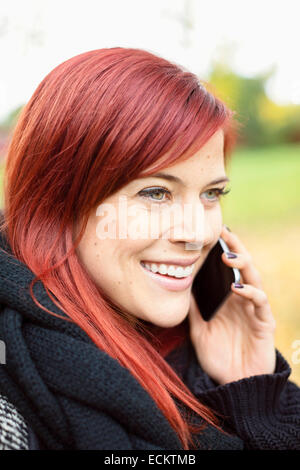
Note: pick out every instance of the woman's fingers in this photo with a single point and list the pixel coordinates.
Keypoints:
(260, 301)
(243, 260)
(233, 240)
(252, 288)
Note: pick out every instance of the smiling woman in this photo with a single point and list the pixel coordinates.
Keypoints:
(113, 262)
(105, 345)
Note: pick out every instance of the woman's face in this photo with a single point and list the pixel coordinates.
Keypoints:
(115, 262)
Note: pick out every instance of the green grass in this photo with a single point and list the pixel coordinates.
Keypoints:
(264, 186)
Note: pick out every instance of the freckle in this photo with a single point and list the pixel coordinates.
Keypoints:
(95, 243)
(119, 282)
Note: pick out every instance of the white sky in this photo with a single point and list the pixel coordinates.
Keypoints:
(37, 35)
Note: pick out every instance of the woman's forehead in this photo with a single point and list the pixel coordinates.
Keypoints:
(210, 154)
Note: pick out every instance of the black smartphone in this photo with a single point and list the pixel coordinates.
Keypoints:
(212, 285)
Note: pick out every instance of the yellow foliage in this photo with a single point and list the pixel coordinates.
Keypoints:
(275, 113)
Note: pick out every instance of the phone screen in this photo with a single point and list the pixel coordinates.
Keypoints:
(213, 282)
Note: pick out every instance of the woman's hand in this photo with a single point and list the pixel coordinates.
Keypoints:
(238, 341)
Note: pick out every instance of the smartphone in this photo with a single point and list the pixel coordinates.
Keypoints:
(212, 285)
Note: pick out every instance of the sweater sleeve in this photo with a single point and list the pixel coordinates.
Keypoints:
(263, 410)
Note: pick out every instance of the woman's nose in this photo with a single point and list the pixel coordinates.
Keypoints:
(194, 228)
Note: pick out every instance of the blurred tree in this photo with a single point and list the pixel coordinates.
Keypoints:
(6, 127)
(282, 122)
(10, 120)
(263, 121)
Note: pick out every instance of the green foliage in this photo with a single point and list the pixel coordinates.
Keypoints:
(9, 122)
(263, 121)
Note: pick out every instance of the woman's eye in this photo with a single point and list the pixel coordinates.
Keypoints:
(217, 194)
(154, 194)
(158, 194)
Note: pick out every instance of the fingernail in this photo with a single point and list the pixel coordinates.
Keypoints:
(230, 255)
(239, 286)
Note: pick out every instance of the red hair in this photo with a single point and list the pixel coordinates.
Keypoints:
(94, 124)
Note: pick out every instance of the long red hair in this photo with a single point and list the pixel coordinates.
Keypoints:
(94, 124)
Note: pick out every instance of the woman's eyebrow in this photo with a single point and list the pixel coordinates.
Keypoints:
(178, 180)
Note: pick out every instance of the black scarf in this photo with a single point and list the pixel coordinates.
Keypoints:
(73, 395)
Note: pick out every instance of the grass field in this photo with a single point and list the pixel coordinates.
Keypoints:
(264, 187)
(263, 208)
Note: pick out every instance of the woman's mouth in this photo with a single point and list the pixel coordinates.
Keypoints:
(170, 277)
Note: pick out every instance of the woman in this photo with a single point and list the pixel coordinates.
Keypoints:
(106, 348)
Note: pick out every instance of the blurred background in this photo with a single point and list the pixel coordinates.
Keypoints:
(248, 51)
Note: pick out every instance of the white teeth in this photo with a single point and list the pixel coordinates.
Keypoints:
(153, 267)
(171, 270)
(175, 271)
(179, 272)
(188, 270)
(162, 269)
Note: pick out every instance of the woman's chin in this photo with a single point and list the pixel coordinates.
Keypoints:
(167, 319)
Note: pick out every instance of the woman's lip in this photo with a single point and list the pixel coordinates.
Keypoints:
(174, 262)
(169, 283)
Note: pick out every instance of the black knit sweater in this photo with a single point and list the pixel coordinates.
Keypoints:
(74, 396)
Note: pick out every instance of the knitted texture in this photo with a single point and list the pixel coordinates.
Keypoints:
(263, 410)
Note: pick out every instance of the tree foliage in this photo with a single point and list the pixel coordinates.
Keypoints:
(264, 122)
